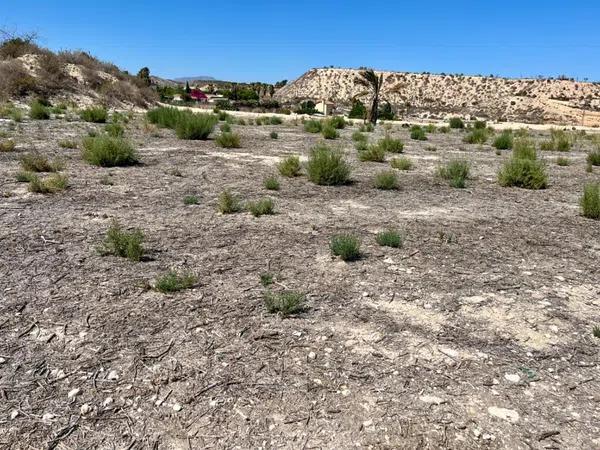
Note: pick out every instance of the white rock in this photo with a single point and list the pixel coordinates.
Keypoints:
(48, 417)
(312, 355)
(2, 360)
(432, 399)
(506, 414)
(488, 437)
(84, 409)
(112, 375)
(14, 414)
(476, 433)
(317, 381)
(73, 393)
(107, 401)
(512, 377)
(367, 423)
(449, 352)
(177, 407)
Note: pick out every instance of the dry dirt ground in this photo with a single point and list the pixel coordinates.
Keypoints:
(476, 334)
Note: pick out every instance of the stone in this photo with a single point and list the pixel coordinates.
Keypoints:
(504, 413)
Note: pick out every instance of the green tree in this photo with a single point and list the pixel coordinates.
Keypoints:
(369, 79)
(144, 75)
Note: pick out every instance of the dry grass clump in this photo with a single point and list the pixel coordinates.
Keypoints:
(523, 169)
(386, 180)
(346, 246)
(229, 203)
(94, 114)
(327, 167)
(34, 162)
(590, 201)
(50, 185)
(7, 146)
(228, 140)
(290, 166)
(456, 172)
(264, 206)
(106, 151)
(402, 163)
(284, 303)
(173, 282)
(126, 244)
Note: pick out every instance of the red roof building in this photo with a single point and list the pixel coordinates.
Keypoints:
(198, 95)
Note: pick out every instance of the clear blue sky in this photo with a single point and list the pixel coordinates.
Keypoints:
(267, 41)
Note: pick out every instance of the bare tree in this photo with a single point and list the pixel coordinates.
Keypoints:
(369, 79)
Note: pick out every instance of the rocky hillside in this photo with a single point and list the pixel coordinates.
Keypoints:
(27, 70)
(436, 96)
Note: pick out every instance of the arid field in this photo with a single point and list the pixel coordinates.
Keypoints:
(477, 331)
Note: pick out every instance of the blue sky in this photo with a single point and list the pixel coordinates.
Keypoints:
(271, 40)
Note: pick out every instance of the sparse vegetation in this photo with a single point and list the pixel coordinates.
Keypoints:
(559, 141)
(187, 125)
(590, 201)
(593, 157)
(477, 136)
(228, 140)
(357, 136)
(562, 161)
(34, 162)
(391, 145)
(67, 143)
(229, 203)
(271, 183)
(264, 206)
(374, 153)
(52, 184)
(284, 303)
(313, 126)
(173, 281)
(114, 130)
(524, 148)
(94, 114)
(346, 246)
(38, 111)
(106, 151)
(456, 171)
(386, 180)
(390, 238)
(7, 146)
(524, 173)
(327, 167)
(329, 132)
(126, 244)
(456, 122)
(266, 279)
(417, 133)
(401, 163)
(274, 135)
(290, 166)
(504, 141)
(191, 200)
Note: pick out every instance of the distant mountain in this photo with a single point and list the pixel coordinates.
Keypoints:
(198, 78)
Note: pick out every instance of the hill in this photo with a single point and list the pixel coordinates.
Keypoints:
(28, 70)
(431, 96)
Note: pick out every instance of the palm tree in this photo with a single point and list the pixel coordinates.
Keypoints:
(369, 79)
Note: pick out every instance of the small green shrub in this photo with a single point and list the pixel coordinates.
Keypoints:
(195, 126)
(284, 303)
(357, 136)
(225, 127)
(229, 203)
(346, 246)
(402, 163)
(444, 130)
(173, 282)
(456, 122)
(417, 133)
(329, 132)
(7, 146)
(275, 120)
(313, 126)
(266, 279)
(274, 135)
(559, 141)
(228, 140)
(504, 141)
(122, 243)
(94, 114)
(114, 130)
(336, 122)
(590, 201)
(38, 111)
(34, 162)
(271, 183)
(366, 128)
(391, 145)
(373, 153)
(54, 183)
(430, 128)
(191, 200)
(327, 167)
(477, 136)
(261, 207)
(523, 173)
(456, 171)
(562, 161)
(67, 143)
(106, 151)
(593, 157)
(390, 238)
(524, 148)
(23, 176)
(480, 125)
(386, 180)
(290, 166)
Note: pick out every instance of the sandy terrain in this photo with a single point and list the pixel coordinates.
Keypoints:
(476, 334)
